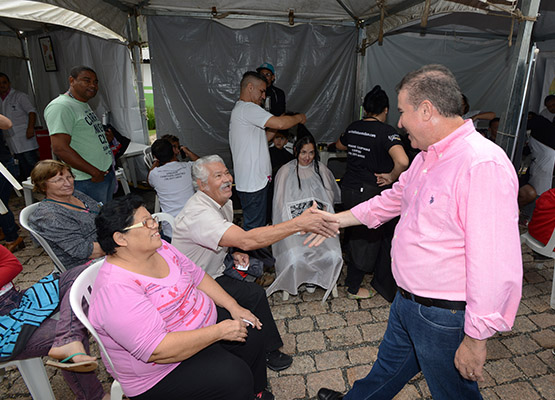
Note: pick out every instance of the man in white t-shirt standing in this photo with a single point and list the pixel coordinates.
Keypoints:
(171, 178)
(20, 138)
(248, 140)
(549, 110)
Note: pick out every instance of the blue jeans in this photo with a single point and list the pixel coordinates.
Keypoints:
(254, 207)
(7, 221)
(418, 338)
(100, 191)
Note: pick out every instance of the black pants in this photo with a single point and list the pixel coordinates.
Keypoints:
(253, 297)
(368, 250)
(214, 373)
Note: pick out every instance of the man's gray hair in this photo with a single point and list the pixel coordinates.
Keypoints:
(199, 170)
(435, 83)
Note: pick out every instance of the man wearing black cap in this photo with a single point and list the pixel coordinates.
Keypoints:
(275, 97)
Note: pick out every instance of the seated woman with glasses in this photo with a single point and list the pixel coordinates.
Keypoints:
(65, 218)
(170, 330)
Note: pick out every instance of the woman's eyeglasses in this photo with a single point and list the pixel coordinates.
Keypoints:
(150, 223)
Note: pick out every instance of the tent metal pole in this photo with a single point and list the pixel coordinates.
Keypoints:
(511, 118)
(25, 49)
(361, 75)
(133, 33)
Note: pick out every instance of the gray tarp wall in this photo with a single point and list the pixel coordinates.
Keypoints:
(197, 66)
(112, 63)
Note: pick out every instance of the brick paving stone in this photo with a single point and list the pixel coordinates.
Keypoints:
(488, 380)
(376, 301)
(530, 291)
(281, 327)
(533, 277)
(523, 324)
(544, 320)
(423, 388)
(310, 341)
(502, 371)
(313, 308)
(489, 394)
(358, 317)
(344, 304)
(331, 379)
(545, 385)
(301, 325)
(289, 343)
(548, 358)
(373, 332)
(363, 355)
(380, 314)
(301, 365)
(523, 309)
(344, 336)
(284, 311)
(409, 392)
(531, 365)
(331, 320)
(356, 373)
(331, 359)
(520, 345)
(545, 338)
(537, 304)
(497, 350)
(288, 388)
(545, 287)
(517, 391)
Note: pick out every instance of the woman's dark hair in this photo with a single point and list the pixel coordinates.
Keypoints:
(114, 217)
(162, 149)
(297, 147)
(375, 101)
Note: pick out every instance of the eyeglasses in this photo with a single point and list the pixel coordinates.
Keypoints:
(61, 179)
(150, 223)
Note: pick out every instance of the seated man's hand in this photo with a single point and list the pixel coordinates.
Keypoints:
(314, 240)
(241, 259)
(318, 221)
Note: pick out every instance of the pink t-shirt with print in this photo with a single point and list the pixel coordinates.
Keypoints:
(132, 313)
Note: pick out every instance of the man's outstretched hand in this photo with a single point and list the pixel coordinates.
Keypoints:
(318, 222)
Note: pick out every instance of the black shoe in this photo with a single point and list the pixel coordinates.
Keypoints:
(264, 395)
(328, 394)
(278, 361)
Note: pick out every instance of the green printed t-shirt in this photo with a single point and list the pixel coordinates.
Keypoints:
(67, 115)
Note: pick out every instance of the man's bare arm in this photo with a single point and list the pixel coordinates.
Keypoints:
(285, 121)
(31, 125)
(60, 147)
(5, 122)
(325, 225)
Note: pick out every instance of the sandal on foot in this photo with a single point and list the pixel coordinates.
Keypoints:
(67, 365)
(351, 296)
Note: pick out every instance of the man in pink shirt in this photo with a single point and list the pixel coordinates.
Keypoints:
(457, 287)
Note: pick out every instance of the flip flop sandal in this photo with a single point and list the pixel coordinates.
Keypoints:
(67, 365)
(371, 294)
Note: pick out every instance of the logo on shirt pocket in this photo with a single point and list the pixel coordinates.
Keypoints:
(432, 213)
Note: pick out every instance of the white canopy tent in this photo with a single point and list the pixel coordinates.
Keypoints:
(347, 47)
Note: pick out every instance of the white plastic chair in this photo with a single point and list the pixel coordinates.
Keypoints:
(149, 160)
(165, 217)
(24, 221)
(546, 250)
(148, 157)
(34, 374)
(81, 289)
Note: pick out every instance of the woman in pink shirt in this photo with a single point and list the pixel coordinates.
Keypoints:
(159, 317)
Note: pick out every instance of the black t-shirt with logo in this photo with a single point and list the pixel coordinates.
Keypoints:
(368, 143)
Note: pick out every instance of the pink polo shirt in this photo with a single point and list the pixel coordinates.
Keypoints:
(457, 238)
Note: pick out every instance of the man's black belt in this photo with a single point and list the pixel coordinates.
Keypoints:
(425, 301)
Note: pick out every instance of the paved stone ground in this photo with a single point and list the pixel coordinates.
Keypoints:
(336, 343)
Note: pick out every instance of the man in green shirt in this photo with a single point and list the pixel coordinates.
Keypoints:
(78, 137)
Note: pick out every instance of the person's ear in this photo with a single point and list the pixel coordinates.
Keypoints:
(426, 109)
(120, 239)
